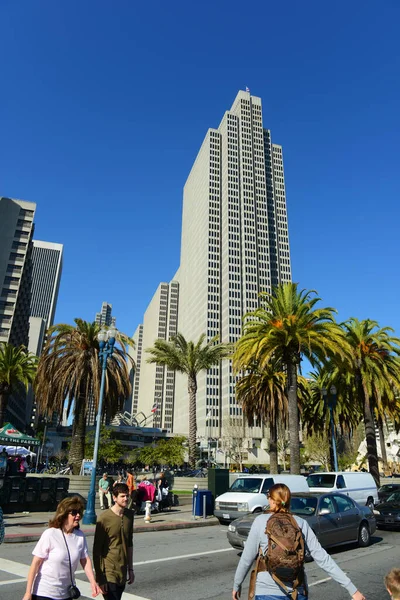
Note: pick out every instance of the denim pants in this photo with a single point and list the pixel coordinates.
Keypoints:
(299, 597)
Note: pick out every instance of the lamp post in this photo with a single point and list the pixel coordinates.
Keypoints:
(208, 418)
(106, 340)
(330, 401)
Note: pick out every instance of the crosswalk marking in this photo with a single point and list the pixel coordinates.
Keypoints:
(15, 568)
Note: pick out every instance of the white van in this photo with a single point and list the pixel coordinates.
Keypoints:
(360, 486)
(248, 494)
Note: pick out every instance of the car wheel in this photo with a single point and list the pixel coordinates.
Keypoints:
(257, 510)
(370, 503)
(364, 536)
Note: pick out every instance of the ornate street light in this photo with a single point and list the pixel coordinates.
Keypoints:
(330, 402)
(106, 338)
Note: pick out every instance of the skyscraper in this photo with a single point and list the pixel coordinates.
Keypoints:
(16, 230)
(46, 276)
(234, 245)
(104, 317)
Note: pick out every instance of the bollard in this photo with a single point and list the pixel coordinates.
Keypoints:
(147, 514)
(195, 487)
(204, 506)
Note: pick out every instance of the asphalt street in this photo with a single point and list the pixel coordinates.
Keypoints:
(199, 564)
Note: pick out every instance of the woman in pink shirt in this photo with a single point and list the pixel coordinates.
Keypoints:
(56, 556)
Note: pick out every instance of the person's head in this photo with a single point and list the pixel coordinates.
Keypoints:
(121, 494)
(68, 513)
(279, 497)
(105, 475)
(392, 583)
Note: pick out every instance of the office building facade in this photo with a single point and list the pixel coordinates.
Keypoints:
(104, 317)
(46, 276)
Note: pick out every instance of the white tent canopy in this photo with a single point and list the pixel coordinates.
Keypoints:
(19, 450)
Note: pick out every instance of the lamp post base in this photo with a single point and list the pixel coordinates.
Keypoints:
(89, 517)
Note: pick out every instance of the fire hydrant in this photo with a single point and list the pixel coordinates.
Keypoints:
(147, 514)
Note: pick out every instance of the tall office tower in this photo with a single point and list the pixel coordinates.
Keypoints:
(155, 384)
(136, 353)
(104, 317)
(46, 276)
(234, 245)
(16, 230)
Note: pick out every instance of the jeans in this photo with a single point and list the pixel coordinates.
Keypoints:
(36, 597)
(114, 591)
(299, 597)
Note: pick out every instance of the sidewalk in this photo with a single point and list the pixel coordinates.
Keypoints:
(20, 527)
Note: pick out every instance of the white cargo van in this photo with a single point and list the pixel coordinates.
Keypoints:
(360, 486)
(248, 494)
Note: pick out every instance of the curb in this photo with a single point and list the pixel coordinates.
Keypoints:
(18, 538)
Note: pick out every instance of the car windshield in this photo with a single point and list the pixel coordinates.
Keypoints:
(388, 487)
(304, 506)
(325, 480)
(394, 498)
(247, 484)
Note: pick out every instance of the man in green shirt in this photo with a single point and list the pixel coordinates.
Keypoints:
(104, 490)
(113, 545)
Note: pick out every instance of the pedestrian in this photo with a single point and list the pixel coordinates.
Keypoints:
(2, 531)
(104, 490)
(280, 573)
(113, 546)
(57, 554)
(392, 583)
(131, 483)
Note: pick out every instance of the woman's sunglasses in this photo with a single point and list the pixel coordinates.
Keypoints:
(74, 512)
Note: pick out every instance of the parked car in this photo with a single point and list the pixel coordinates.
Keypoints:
(387, 490)
(335, 519)
(248, 493)
(387, 513)
(359, 486)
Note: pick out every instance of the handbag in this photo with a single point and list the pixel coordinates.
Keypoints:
(259, 566)
(73, 590)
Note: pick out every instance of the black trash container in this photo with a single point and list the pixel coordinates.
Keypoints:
(33, 488)
(5, 491)
(62, 486)
(218, 481)
(48, 492)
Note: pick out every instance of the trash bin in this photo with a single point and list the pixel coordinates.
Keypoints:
(218, 481)
(33, 488)
(17, 491)
(203, 504)
(61, 488)
(48, 492)
(5, 490)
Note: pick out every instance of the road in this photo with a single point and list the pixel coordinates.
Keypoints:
(199, 564)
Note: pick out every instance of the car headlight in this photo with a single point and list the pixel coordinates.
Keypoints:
(243, 506)
(376, 512)
(217, 506)
(232, 528)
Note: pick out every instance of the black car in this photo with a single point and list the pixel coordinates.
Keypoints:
(387, 490)
(387, 514)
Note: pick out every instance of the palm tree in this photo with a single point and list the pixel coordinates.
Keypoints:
(188, 358)
(17, 371)
(69, 372)
(373, 373)
(262, 395)
(286, 328)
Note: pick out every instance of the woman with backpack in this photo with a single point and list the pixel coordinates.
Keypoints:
(277, 540)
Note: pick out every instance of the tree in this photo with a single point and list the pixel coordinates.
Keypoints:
(317, 447)
(287, 327)
(110, 449)
(17, 371)
(69, 372)
(188, 358)
(372, 374)
(262, 395)
(165, 452)
(234, 443)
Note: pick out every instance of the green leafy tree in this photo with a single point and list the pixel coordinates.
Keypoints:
(69, 373)
(17, 371)
(317, 448)
(287, 327)
(190, 359)
(110, 449)
(169, 451)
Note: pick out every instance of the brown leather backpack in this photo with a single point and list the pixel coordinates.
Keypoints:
(285, 553)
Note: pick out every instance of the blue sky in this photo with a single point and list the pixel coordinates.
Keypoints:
(104, 105)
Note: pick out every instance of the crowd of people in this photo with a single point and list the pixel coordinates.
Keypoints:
(157, 491)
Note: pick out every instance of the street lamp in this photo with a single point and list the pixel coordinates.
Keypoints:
(106, 340)
(208, 418)
(330, 401)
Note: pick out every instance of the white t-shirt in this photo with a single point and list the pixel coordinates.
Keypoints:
(53, 579)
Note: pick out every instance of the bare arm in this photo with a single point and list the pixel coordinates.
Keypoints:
(87, 567)
(33, 571)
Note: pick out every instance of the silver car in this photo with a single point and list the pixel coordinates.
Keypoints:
(334, 518)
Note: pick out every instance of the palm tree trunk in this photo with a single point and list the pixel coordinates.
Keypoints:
(192, 389)
(382, 442)
(77, 450)
(293, 418)
(3, 407)
(370, 436)
(273, 445)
